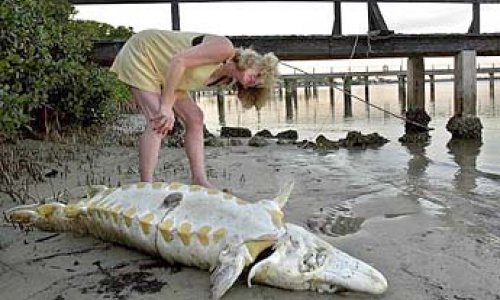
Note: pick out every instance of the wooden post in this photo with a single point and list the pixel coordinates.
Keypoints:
(331, 83)
(315, 89)
(347, 96)
(402, 92)
(492, 86)
(294, 94)
(174, 9)
(465, 83)
(337, 21)
(367, 87)
(416, 83)
(376, 21)
(432, 82)
(476, 19)
(288, 99)
(220, 107)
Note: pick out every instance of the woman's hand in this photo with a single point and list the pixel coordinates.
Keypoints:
(163, 121)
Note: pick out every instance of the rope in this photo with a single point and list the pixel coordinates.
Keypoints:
(361, 99)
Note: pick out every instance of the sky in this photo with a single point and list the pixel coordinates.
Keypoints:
(299, 18)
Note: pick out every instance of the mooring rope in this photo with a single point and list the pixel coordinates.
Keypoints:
(359, 98)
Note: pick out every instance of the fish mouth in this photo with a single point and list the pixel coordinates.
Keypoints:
(347, 272)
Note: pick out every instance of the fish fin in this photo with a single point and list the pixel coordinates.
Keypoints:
(284, 194)
(232, 261)
(93, 190)
(256, 268)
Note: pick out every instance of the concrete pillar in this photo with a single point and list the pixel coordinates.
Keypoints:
(416, 83)
(220, 107)
(347, 96)
(402, 92)
(465, 83)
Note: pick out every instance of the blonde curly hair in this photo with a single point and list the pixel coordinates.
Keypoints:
(245, 58)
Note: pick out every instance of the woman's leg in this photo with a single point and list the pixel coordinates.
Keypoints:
(192, 116)
(150, 141)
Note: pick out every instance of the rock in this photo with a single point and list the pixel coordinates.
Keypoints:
(465, 127)
(288, 135)
(418, 116)
(258, 141)
(235, 142)
(265, 133)
(335, 221)
(415, 138)
(216, 142)
(174, 141)
(323, 143)
(305, 144)
(235, 132)
(356, 139)
(206, 133)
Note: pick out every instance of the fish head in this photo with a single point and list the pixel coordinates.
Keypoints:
(303, 261)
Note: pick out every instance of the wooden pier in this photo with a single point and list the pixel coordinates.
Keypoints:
(379, 42)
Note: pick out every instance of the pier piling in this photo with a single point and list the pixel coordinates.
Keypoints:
(220, 107)
(402, 92)
(416, 96)
(347, 96)
(465, 123)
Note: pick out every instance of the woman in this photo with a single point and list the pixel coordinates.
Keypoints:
(162, 66)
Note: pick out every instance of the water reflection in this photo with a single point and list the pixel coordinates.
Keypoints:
(465, 153)
(325, 105)
(419, 161)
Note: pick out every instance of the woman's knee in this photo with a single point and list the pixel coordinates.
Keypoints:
(194, 119)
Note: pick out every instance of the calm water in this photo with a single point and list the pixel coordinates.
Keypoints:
(316, 116)
(461, 177)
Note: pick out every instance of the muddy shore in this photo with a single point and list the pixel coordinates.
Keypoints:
(396, 218)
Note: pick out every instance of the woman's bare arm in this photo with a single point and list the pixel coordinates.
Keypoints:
(213, 49)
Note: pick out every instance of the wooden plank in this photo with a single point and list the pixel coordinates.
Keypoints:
(83, 2)
(322, 77)
(314, 47)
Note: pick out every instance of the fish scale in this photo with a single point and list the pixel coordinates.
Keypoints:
(192, 232)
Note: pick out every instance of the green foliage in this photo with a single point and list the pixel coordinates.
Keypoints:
(44, 63)
(104, 31)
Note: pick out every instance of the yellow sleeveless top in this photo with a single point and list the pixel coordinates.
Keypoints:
(144, 60)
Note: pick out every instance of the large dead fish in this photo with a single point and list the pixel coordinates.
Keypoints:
(211, 230)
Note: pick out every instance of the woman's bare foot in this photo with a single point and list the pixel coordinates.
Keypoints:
(204, 183)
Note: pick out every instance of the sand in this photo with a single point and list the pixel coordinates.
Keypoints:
(426, 249)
